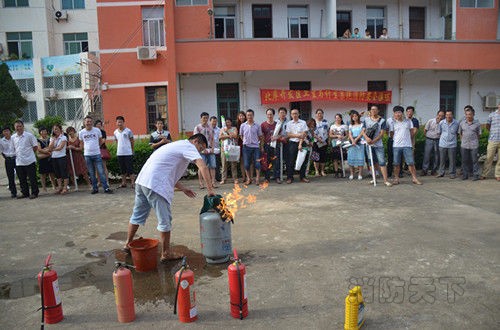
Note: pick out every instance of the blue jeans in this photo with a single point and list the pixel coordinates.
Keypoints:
(92, 162)
(251, 155)
(145, 199)
(378, 155)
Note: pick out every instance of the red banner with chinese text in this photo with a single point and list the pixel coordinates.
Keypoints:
(269, 96)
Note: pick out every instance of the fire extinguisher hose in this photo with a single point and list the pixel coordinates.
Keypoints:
(241, 289)
(183, 268)
(42, 325)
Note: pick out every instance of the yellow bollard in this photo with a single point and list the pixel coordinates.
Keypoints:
(354, 309)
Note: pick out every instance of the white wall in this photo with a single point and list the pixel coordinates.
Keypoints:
(420, 89)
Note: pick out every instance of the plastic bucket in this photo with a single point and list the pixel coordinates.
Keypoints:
(144, 254)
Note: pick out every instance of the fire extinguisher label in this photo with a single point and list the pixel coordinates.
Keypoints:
(184, 284)
(57, 295)
(245, 286)
(193, 312)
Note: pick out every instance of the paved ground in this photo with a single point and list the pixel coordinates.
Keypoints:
(428, 256)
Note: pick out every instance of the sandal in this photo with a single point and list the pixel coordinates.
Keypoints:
(171, 257)
(395, 182)
(417, 182)
(126, 250)
(64, 192)
(247, 182)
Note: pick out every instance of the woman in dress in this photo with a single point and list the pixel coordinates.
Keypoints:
(356, 152)
(44, 161)
(321, 142)
(242, 117)
(57, 147)
(76, 155)
(338, 133)
(230, 134)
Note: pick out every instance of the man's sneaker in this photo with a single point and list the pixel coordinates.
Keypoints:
(108, 191)
(93, 192)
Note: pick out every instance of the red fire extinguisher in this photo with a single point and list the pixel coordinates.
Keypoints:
(124, 292)
(236, 273)
(185, 296)
(49, 292)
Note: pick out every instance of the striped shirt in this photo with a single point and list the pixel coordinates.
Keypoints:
(494, 121)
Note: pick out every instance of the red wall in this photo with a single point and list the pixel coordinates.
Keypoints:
(477, 23)
(128, 102)
(192, 22)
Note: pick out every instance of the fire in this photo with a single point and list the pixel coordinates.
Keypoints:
(235, 201)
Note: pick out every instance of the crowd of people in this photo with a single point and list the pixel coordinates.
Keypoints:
(276, 148)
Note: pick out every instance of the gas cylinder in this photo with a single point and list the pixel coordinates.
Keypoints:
(49, 291)
(124, 292)
(237, 276)
(354, 309)
(185, 297)
(215, 237)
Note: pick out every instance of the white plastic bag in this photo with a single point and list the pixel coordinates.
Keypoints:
(233, 153)
(301, 157)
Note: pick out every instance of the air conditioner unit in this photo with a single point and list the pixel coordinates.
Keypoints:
(61, 15)
(146, 53)
(49, 93)
(491, 102)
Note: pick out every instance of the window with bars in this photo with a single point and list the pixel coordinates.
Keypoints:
(156, 105)
(20, 44)
(16, 3)
(153, 31)
(375, 20)
(69, 109)
(298, 22)
(476, 3)
(68, 82)
(73, 4)
(75, 43)
(26, 85)
(30, 114)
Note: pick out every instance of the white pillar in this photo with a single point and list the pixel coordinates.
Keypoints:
(331, 19)
(38, 76)
(454, 20)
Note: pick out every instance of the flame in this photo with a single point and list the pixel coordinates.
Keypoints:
(235, 201)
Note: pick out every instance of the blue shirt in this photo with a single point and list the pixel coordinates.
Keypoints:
(494, 121)
(449, 131)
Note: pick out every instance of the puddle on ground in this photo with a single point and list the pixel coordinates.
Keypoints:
(152, 286)
(118, 236)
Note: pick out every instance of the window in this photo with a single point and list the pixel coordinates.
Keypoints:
(156, 105)
(29, 113)
(476, 3)
(304, 107)
(417, 22)
(20, 44)
(191, 2)
(26, 85)
(298, 26)
(224, 19)
(73, 4)
(153, 31)
(343, 22)
(375, 20)
(378, 86)
(262, 21)
(69, 109)
(228, 100)
(75, 43)
(63, 82)
(448, 95)
(16, 3)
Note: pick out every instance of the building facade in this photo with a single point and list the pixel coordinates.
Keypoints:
(46, 45)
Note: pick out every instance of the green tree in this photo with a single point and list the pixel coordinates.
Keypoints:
(11, 100)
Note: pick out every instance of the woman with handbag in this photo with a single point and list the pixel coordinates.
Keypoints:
(229, 134)
(44, 160)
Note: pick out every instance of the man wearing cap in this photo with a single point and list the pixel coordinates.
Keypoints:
(401, 130)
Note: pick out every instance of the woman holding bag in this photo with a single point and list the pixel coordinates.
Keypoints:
(230, 134)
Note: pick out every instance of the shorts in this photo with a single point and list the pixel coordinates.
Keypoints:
(210, 160)
(407, 152)
(60, 167)
(145, 199)
(378, 155)
(126, 164)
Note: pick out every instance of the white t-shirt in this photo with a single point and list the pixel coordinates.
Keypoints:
(402, 133)
(23, 144)
(59, 140)
(124, 147)
(296, 128)
(90, 139)
(166, 166)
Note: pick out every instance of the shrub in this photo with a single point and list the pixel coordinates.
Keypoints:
(48, 122)
(142, 151)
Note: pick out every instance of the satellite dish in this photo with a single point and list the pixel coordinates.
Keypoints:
(58, 14)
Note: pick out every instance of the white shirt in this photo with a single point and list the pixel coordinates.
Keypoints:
(59, 140)
(124, 147)
(90, 140)
(296, 128)
(7, 147)
(23, 144)
(166, 166)
(402, 133)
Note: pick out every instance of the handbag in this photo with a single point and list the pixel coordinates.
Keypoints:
(232, 153)
(105, 154)
(372, 130)
(315, 156)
